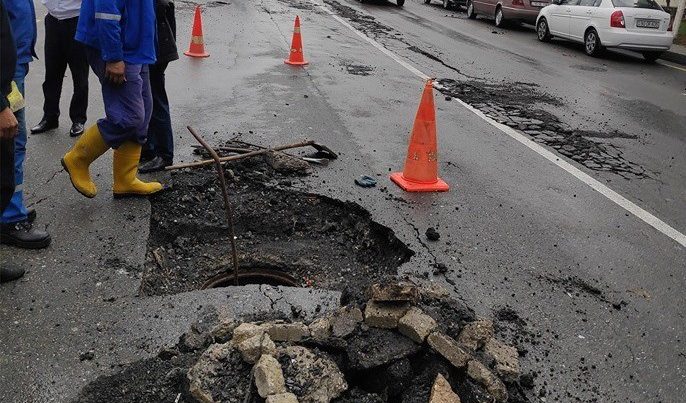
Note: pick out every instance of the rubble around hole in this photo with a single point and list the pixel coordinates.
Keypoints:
(339, 357)
(380, 344)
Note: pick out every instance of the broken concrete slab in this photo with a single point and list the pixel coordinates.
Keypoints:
(442, 392)
(215, 372)
(482, 375)
(282, 398)
(287, 331)
(384, 315)
(253, 348)
(476, 334)
(269, 376)
(320, 329)
(394, 292)
(416, 325)
(447, 347)
(345, 321)
(245, 331)
(311, 374)
(506, 359)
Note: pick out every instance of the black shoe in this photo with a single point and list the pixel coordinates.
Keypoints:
(23, 235)
(9, 272)
(154, 165)
(44, 125)
(76, 129)
(32, 215)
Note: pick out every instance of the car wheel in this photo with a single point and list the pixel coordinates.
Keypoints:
(499, 17)
(651, 57)
(401, 3)
(471, 12)
(592, 45)
(543, 31)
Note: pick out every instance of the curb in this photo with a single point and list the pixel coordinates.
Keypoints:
(674, 57)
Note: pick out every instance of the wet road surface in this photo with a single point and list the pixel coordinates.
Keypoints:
(603, 289)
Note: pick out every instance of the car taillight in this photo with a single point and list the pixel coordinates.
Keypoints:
(518, 3)
(617, 20)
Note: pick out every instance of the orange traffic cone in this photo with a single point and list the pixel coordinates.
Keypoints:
(197, 47)
(296, 58)
(420, 173)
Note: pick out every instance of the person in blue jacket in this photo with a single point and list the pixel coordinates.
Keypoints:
(120, 44)
(15, 223)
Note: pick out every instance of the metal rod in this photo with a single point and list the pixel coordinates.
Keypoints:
(225, 194)
(238, 157)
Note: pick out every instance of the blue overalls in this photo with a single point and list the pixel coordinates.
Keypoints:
(23, 23)
(121, 30)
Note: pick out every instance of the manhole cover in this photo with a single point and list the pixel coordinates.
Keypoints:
(251, 276)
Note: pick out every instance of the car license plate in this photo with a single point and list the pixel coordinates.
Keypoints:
(642, 23)
(538, 4)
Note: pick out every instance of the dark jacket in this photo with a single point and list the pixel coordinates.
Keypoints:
(8, 62)
(22, 18)
(166, 32)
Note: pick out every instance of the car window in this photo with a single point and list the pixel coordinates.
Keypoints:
(587, 3)
(637, 4)
(597, 3)
(570, 2)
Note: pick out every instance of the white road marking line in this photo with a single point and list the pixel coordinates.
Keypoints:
(615, 197)
(671, 65)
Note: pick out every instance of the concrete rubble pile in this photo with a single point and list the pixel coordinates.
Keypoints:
(291, 361)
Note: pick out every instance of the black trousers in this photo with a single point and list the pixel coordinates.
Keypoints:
(160, 135)
(62, 50)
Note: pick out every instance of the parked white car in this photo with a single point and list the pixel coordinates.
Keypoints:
(640, 25)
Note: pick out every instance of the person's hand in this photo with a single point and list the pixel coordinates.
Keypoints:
(8, 124)
(114, 71)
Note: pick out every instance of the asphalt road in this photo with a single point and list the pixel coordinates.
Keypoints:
(603, 289)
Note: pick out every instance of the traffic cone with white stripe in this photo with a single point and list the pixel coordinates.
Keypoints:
(197, 47)
(296, 58)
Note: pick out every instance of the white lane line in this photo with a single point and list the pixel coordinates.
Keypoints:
(615, 197)
(670, 65)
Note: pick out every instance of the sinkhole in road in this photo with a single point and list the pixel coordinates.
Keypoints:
(283, 236)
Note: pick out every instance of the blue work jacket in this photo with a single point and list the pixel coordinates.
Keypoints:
(123, 30)
(23, 22)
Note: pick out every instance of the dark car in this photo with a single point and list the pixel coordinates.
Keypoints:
(504, 11)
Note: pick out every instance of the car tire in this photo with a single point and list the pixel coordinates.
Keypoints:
(542, 30)
(500, 21)
(592, 45)
(401, 3)
(651, 57)
(471, 12)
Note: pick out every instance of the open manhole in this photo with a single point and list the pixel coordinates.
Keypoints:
(251, 276)
(283, 236)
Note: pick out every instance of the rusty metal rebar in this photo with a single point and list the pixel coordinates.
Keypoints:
(225, 194)
(241, 156)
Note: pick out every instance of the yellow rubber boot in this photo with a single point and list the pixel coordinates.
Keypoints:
(125, 169)
(87, 149)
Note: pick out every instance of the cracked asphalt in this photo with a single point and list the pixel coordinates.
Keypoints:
(603, 289)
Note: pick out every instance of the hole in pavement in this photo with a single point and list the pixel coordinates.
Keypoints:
(251, 276)
(310, 240)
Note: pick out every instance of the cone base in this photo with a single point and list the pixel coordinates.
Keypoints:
(410, 186)
(303, 63)
(191, 54)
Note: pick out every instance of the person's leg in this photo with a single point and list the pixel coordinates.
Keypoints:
(78, 65)
(92, 144)
(55, 67)
(160, 135)
(8, 271)
(15, 229)
(127, 156)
